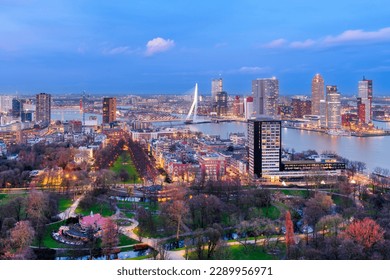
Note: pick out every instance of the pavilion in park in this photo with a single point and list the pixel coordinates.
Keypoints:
(76, 234)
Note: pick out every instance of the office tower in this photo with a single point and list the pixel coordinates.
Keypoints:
(248, 107)
(109, 110)
(317, 93)
(43, 108)
(221, 103)
(216, 86)
(365, 95)
(265, 146)
(6, 103)
(333, 108)
(323, 113)
(265, 96)
(16, 108)
(301, 107)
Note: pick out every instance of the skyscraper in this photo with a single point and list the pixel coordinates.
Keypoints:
(265, 146)
(333, 108)
(16, 108)
(248, 107)
(221, 103)
(109, 110)
(265, 96)
(365, 96)
(317, 93)
(43, 108)
(216, 86)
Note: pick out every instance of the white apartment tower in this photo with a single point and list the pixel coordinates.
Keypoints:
(265, 94)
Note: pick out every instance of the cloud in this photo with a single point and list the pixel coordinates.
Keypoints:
(118, 50)
(359, 35)
(344, 38)
(302, 44)
(275, 43)
(158, 45)
(252, 69)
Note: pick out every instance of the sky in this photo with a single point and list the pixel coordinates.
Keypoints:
(147, 47)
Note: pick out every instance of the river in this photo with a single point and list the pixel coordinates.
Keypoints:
(374, 151)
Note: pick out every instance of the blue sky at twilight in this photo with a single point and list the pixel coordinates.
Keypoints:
(167, 46)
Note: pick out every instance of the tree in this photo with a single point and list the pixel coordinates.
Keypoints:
(243, 230)
(365, 232)
(329, 224)
(91, 240)
(21, 237)
(290, 240)
(212, 235)
(174, 211)
(110, 237)
(317, 207)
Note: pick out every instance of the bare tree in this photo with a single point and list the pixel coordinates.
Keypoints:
(110, 237)
(21, 237)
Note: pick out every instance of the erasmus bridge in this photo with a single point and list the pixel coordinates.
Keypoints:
(192, 116)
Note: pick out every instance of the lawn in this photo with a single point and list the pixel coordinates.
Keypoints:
(48, 240)
(126, 241)
(124, 162)
(63, 204)
(301, 193)
(342, 201)
(129, 205)
(273, 212)
(5, 198)
(101, 208)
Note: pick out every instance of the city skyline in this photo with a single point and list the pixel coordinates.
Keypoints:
(119, 48)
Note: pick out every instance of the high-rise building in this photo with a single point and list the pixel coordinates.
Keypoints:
(265, 146)
(109, 109)
(333, 108)
(317, 93)
(300, 107)
(221, 103)
(16, 108)
(323, 113)
(43, 108)
(238, 107)
(248, 107)
(365, 95)
(6, 103)
(363, 109)
(216, 86)
(265, 96)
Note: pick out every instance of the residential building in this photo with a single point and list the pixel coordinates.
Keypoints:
(265, 146)
(333, 108)
(265, 94)
(109, 110)
(317, 93)
(43, 108)
(248, 107)
(216, 86)
(221, 103)
(301, 107)
(212, 166)
(365, 96)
